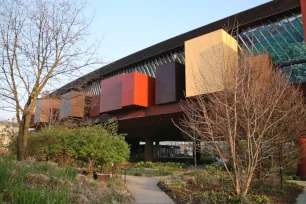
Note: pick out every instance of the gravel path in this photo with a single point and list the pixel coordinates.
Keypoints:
(146, 191)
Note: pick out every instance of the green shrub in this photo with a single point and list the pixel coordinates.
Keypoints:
(213, 167)
(208, 159)
(298, 178)
(139, 165)
(112, 183)
(260, 199)
(288, 177)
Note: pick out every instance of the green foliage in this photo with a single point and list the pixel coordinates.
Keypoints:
(159, 165)
(50, 141)
(98, 144)
(208, 159)
(213, 167)
(14, 182)
(147, 172)
(260, 199)
(37, 196)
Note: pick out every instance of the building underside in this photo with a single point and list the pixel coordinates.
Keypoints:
(143, 90)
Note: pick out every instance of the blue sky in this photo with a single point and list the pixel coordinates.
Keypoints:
(127, 26)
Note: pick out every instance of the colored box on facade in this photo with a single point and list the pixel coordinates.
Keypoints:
(137, 89)
(111, 94)
(73, 105)
(262, 66)
(44, 109)
(94, 106)
(170, 83)
(208, 58)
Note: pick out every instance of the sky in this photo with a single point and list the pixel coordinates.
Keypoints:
(128, 26)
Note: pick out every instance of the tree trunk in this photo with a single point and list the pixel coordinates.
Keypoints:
(91, 163)
(22, 139)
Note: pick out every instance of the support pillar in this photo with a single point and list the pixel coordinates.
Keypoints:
(149, 149)
(303, 9)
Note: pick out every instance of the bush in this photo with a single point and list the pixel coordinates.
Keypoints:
(213, 167)
(260, 199)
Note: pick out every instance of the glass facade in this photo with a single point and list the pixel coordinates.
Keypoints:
(283, 39)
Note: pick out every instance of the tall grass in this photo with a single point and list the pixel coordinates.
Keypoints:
(15, 189)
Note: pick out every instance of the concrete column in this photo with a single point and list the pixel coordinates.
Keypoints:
(148, 149)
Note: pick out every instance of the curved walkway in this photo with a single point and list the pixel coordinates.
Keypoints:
(146, 191)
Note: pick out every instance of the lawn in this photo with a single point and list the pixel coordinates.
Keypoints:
(29, 182)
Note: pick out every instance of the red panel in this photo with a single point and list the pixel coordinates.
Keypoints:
(111, 94)
(128, 89)
(303, 8)
(94, 106)
(137, 89)
(302, 164)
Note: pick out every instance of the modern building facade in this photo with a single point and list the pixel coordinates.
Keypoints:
(143, 90)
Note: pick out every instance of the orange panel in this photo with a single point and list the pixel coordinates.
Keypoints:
(138, 89)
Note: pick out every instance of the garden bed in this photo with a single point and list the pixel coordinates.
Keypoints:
(215, 187)
(38, 182)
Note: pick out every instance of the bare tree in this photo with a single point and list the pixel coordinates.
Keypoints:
(256, 115)
(40, 42)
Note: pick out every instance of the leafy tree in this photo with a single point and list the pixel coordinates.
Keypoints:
(51, 141)
(95, 143)
(98, 143)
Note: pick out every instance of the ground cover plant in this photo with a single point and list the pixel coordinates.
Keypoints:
(156, 169)
(32, 182)
(213, 185)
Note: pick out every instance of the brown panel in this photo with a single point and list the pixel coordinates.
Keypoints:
(137, 90)
(43, 109)
(262, 66)
(111, 94)
(72, 105)
(94, 106)
(77, 104)
(170, 83)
